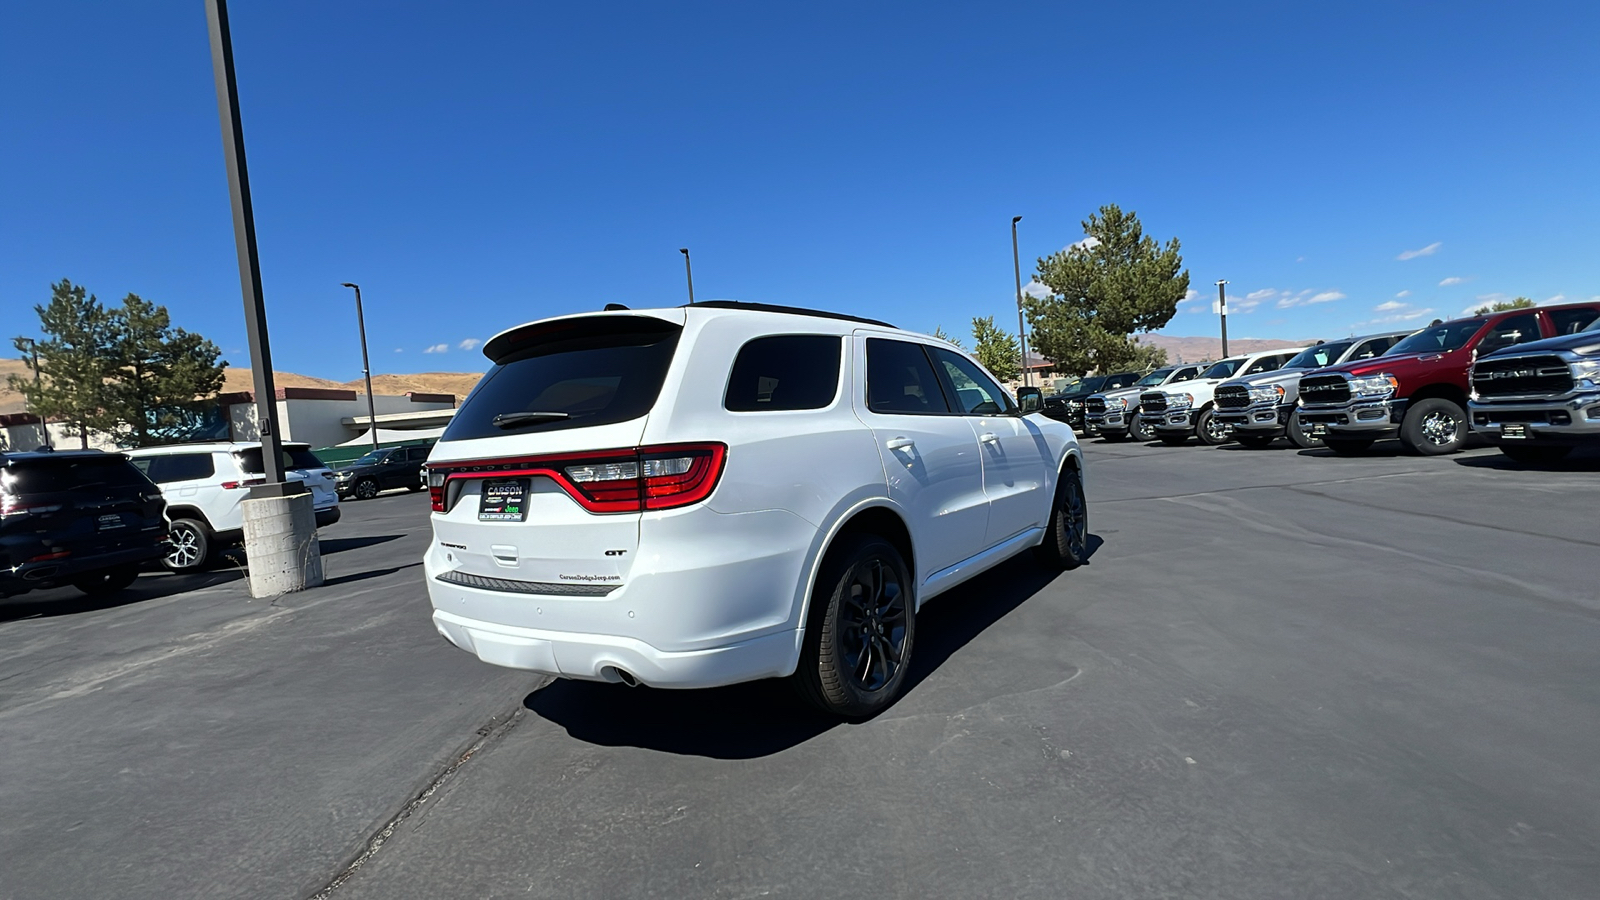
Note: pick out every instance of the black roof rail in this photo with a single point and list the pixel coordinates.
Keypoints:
(789, 310)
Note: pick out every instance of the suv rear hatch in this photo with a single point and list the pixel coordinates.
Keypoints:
(539, 482)
(70, 507)
(299, 464)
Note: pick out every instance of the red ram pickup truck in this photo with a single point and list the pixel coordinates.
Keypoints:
(1418, 390)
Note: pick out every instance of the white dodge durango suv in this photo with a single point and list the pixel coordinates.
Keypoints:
(725, 492)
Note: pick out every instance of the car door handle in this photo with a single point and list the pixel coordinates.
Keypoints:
(900, 443)
(988, 437)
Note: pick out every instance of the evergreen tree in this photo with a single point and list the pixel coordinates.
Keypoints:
(162, 375)
(74, 361)
(1503, 305)
(996, 349)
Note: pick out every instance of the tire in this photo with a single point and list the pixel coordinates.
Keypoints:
(1434, 427)
(191, 546)
(365, 489)
(1255, 441)
(1209, 430)
(1066, 535)
(1347, 446)
(1138, 429)
(1173, 440)
(1534, 454)
(106, 581)
(1298, 436)
(860, 629)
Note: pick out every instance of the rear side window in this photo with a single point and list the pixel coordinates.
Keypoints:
(293, 458)
(1374, 348)
(900, 379)
(1571, 321)
(570, 373)
(1508, 331)
(784, 372)
(177, 467)
(67, 474)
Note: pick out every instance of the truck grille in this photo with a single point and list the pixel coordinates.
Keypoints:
(1233, 396)
(1521, 375)
(1095, 406)
(1323, 389)
(1153, 402)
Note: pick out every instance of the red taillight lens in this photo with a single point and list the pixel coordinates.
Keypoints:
(235, 485)
(661, 477)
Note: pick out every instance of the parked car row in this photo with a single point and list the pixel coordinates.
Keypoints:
(1527, 380)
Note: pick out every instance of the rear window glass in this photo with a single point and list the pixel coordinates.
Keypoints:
(574, 374)
(293, 458)
(48, 476)
(178, 467)
(784, 372)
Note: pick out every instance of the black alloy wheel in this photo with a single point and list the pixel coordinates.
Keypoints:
(189, 541)
(366, 489)
(860, 629)
(1066, 535)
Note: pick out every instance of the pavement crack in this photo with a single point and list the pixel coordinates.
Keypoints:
(497, 727)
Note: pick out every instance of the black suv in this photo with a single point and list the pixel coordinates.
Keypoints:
(388, 467)
(79, 517)
(1067, 406)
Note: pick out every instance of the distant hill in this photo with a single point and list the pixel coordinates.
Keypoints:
(457, 383)
(1199, 349)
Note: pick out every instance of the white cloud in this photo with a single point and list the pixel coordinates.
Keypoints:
(1190, 294)
(1036, 290)
(398, 350)
(1305, 298)
(438, 348)
(1299, 259)
(1402, 295)
(1398, 312)
(1262, 294)
(1454, 280)
(469, 343)
(1389, 306)
(1429, 250)
(1088, 243)
(1326, 297)
(1552, 301)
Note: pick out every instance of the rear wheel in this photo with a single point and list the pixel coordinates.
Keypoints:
(366, 489)
(1434, 427)
(1209, 430)
(191, 545)
(1298, 436)
(1536, 453)
(1347, 446)
(860, 629)
(1139, 429)
(106, 581)
(1255, 441)
(1066, 536)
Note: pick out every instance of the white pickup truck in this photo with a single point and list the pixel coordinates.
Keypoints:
(1114, 415)
(1188, 410)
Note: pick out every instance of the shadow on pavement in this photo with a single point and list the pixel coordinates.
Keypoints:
(760, 718)
(1583, 459)
(363, 576)
(339, 545)
(68, 601)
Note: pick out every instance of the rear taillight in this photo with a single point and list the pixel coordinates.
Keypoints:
(660, 477)
(13, 505)
(248, 482)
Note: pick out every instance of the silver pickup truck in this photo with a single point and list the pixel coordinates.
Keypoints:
(1260, 408)
(1114, 415)
(1539, 400)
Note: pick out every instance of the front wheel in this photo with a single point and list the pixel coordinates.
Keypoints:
(1139, 429)
(1210, 431)
(1434, 427)
(860, 630)
(106, 581)
(1299, 437)
(1066, 535)
(1533, 454)
(366, 489)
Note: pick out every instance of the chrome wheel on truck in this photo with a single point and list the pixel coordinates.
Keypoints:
(1434, 426)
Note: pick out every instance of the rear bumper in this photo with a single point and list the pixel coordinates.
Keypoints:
(599, 657)
(1571, 420)
(51, 573)
(327, 516)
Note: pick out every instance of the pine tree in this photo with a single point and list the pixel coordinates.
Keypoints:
(996, 349)
(162, 375)
(74, 361)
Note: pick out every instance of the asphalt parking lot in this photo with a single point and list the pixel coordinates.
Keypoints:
(1283, 674)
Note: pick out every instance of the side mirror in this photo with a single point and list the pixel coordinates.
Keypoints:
(1030, 399)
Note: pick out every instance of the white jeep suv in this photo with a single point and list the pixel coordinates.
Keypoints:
(204, 484)
(725, 492)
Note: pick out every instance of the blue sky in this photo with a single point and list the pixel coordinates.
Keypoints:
(474, 166)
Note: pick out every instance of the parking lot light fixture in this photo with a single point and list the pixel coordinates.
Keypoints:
(688, 272)
(366, 367)
(1022, 331)
(1222, 307)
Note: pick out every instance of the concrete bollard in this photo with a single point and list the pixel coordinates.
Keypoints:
(280, 542)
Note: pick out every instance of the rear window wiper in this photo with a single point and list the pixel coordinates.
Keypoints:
(520, 419)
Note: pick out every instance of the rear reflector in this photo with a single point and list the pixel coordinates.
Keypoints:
(608, 481)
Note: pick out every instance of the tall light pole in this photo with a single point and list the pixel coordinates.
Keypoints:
(688, 272)
(1222, 307)
(1022, 331)
(366, 368)
(33, 352)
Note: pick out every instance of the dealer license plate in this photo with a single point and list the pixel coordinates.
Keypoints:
(1318, 429)
(504, 500)
(109, 521)
(1516, 432)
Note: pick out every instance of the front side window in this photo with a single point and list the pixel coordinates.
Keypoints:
(784, 372)
(900, 379)
(1223, 369)
(1318, 356)
(1511, 330)
(974, 392)
(1439, 338)
(1154, 378)
(1264, 364)
(1187, 374)
(1373, 348)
